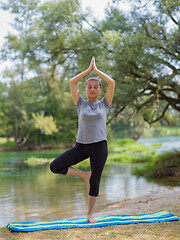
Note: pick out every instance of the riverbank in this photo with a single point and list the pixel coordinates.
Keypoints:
(167, 201)
(143, 205)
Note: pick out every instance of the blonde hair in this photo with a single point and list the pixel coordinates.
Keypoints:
(94, 79)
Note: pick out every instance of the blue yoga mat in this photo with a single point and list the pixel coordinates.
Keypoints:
(104, 221)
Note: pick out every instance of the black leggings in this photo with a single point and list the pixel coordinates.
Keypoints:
(98, 155)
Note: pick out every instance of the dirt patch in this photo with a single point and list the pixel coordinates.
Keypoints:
(143, 205)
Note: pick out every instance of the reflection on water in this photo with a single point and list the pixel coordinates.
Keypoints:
(34, 193)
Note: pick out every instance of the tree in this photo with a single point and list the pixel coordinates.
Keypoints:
(140, 50)
(38, 49)
(145, 61)
(5, 120)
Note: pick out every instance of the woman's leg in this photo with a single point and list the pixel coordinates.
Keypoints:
(91, 200)
(82, 174)
(62, 164)
(91, 204)
(97, 160)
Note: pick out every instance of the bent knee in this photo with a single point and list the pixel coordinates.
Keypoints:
(57, 169)
(53, 168)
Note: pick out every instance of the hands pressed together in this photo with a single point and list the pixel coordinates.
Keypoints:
(92, 66)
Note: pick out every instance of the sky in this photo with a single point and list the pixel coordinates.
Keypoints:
(5, 18)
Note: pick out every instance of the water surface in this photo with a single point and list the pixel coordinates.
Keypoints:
(32, 193)
(167, 143)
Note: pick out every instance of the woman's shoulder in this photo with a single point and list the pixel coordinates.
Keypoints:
(104, 102)
(80, 101)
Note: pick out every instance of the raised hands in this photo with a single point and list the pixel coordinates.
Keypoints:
(92, 66)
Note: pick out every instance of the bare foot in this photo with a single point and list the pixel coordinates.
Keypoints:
(87, 176)
(91, 219)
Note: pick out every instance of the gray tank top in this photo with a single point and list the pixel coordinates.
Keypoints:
(92, 120)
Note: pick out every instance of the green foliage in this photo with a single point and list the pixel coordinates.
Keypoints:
(164, 165)
(144, 63)
(129, 151)
(156, 145)
(7, 144)
(33, 161)
(51, 44)
(116, 20)
(44, 123)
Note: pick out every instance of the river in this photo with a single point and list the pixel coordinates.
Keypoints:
(167, 143)
(33, 193)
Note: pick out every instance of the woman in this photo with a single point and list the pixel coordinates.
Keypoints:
(91, 140)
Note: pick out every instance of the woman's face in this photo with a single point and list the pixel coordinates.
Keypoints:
(93, 90)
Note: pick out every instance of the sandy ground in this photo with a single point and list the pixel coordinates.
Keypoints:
(149, 204)
(167, 201)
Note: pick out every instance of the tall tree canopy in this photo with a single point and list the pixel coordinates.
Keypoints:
(51, 43)
(146, 60)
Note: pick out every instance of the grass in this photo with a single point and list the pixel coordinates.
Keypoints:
(164, 165)
(129, 151)
(33, 161)
(150, 231)
(7, 144)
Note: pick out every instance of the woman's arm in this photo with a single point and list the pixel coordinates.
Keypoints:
(74, 81)
(109, 80)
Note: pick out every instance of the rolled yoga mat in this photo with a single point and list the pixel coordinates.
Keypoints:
(104, 221)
